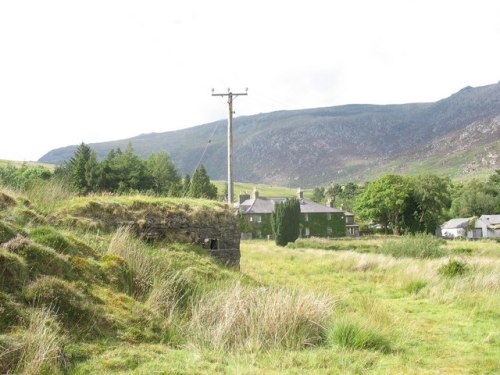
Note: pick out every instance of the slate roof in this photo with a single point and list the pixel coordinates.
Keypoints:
(456, 223)
(265, 205)
(492, 221)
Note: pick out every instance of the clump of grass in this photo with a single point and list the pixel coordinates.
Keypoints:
(414, 246)
(13, 271)
(141, 263)
(50, 237)
(41, 345)
(40, 260)
(6, 232)
(117, 273)
(10, 312)
(6, 200)
(67, 301)
(46, 195)
(352, 335)
(454, 268)
(251, 318)
(462, 250)
(415, 286)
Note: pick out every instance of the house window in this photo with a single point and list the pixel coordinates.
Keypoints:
(259, 219)
(251, 218)
(329, 231)
(306, 217)
(329, 216)
(307, 232)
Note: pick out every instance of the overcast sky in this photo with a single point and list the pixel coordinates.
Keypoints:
(92, 71)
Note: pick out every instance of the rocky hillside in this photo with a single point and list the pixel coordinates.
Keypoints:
(456, 136)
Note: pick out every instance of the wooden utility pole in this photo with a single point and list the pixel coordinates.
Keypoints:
(230, 183)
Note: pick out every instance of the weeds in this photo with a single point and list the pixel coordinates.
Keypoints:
(355, 336)
(454, 268)
(414, 246)
(41, 346)
(250, 318)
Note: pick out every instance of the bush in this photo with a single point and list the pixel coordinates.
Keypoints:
(354, 336)
(250, 318)
(40, 260)
(414, 246)
(67, 302)
(453, 268)
(13, 271)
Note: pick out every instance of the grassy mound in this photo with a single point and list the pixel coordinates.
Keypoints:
(50, 237)
(70, 305)
(10, 312)
(13, 271)
(40, 260)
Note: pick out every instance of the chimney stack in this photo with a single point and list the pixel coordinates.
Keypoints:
(244, 197)
(255, 193)
(300, 194)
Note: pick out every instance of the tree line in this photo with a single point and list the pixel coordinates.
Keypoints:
(119, 172)
(410, 204)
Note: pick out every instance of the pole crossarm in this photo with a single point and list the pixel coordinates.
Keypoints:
(230, 183)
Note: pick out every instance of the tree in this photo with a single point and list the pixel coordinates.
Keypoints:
(476, 198)
(164, 176)
(77, 167)
(432, 196)
(200, 186)
(384, 201)
(318, 194)
(285, 221)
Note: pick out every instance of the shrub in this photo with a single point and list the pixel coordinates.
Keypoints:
(13, 271)
(10, 312)
(453, 268)
(40, 260)
(414, 246)
(250, 318)
(41, 345)
(67, 302)
(351, 335)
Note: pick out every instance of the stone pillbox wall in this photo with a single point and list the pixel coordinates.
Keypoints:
(217, 228)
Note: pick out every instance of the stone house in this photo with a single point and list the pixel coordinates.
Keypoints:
(489, 226)
(486, 226)
(316, 219)
(455, 228)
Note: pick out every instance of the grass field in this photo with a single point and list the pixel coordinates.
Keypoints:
(264, 190)
(19, 164)
(393, 316)
(81, 299)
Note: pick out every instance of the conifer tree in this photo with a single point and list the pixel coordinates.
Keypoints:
(201, 187)
(285, 221)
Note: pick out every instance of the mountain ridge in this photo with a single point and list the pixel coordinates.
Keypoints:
(353, 142)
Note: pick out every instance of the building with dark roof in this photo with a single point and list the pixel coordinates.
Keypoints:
(316, 219)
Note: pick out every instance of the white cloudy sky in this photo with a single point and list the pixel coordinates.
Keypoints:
(73, 71)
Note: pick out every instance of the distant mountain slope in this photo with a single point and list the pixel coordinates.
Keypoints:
(455, 136)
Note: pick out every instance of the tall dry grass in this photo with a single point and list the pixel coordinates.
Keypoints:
(47, 194)
(41, 347)
(143, 266)
(255, 318)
